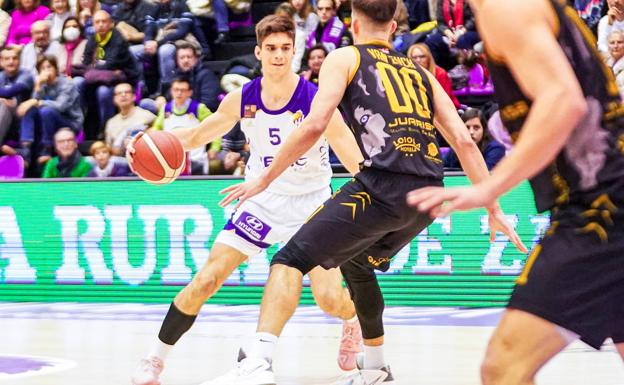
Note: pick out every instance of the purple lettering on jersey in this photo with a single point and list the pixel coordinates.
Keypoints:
(252, 226)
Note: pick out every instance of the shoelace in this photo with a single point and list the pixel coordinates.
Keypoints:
(348, 339)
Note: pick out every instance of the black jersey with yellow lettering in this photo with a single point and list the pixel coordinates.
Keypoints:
(591, 162)
(389, 106)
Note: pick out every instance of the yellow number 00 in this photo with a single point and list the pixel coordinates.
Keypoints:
(403, 81)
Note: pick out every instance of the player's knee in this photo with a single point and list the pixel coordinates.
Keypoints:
(330, 301)
(205, 284)
(500, 367)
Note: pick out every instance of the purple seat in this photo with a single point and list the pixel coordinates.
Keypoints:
(477, 84)
(11, 167)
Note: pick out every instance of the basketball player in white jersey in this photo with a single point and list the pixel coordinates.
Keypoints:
(269, 109)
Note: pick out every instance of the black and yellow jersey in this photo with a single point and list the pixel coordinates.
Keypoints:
(389, 106)
(592, 161)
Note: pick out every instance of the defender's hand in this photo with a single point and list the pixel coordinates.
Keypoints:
(242, 192)
(498, 222)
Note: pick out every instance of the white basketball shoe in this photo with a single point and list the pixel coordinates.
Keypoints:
(148, 372)
(248, 371)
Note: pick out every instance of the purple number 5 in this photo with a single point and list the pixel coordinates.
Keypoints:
(274, 135)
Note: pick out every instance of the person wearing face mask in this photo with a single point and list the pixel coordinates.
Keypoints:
(73, 43)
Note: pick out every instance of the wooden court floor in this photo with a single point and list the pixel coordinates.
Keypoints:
(86, 344)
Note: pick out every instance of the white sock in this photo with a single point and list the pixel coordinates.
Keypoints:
(263, 346)
(160, 350)
(352, 320)
(374, 357)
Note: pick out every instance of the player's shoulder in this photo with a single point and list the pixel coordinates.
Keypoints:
(521, 10)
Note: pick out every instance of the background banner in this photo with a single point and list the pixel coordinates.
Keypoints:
(128, 241)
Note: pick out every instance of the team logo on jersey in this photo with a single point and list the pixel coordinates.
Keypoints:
(252, 226)
(249, 111)
(298, 118)
(407, 145)
(432, 153)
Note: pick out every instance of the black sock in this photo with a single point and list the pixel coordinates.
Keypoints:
(175, 325)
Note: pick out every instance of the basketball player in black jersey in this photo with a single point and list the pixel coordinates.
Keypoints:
(393, 108)
(562, 106)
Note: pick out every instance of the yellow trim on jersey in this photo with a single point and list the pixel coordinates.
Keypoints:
(357, 65)
(378, 42)
(523, 278)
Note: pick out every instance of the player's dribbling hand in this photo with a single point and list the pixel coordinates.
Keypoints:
(130, 149)
(440, 202)
(242, 192)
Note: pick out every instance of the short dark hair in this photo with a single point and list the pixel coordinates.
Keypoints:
(274, 24)
(378, 11)
(182, 79)
(49, 59)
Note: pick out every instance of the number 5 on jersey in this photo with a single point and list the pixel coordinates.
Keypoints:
(274, 136)
(401, 83)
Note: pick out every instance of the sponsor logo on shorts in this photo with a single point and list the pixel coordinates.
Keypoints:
(252, 226)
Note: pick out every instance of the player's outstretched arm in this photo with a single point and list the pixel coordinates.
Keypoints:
(333, 80)
(211, 128)
(342, 141)
(528, 45)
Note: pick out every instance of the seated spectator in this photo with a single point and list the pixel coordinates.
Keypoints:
(130, 118)
(69, 163)
(173, 22)
(590, 11)
(491, 150)
(330, 31)
(314, 58)
(131, 20)
(233, 156)
(305, 22)
(55, 104)
(73, 44)
(615, 61)
(204, 82)
(22, 18)
(16, 86)
(613, 20)
(105, 166)
(60, 13)
(108, 52)
(40, 45)
(421, 55)
(85, 11)
(456, 29)
(206, 15)
(5, 23)
(181, 112)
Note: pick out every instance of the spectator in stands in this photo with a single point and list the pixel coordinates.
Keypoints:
(173, 22)
(73, 43)
(108, 52)
(183, 111)
(130, 118)
(233, 155)
(69, 163)
(314, 58)
(40, 45)
(22, 18)
(590, 11)
(614, 19)
(476, 124)
(131, 20)
(85, 11)
(60, 13)
(305, 21)
(55, 104)
(615, 59)
(206, 14)
(16, 86)
(456, 29)
(420, 54)
(331, 31)
(5, 23)
(203, 80)
(105, 166)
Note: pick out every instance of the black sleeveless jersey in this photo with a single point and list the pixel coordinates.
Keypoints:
(389, 106)
(591, 162)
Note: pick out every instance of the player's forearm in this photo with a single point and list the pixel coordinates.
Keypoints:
(186, 137)
(548, 126)
(300, 141)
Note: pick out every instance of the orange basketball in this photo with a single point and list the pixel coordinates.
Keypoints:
(159, 157)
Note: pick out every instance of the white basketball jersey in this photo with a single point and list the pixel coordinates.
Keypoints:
(266, 132)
